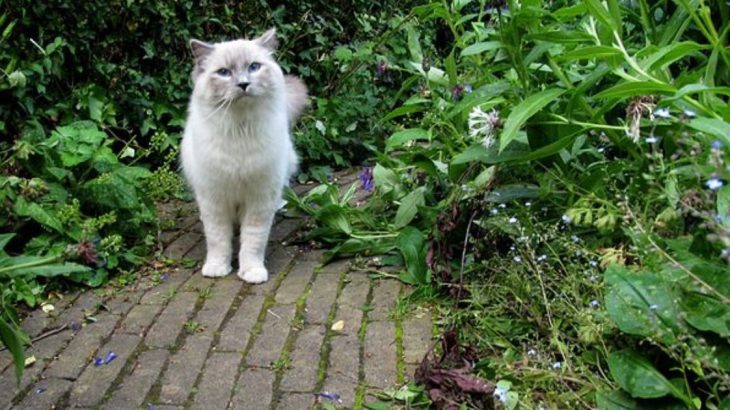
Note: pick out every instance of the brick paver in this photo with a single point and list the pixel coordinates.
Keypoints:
(184, 341)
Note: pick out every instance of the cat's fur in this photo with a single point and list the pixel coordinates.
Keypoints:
(237, 153)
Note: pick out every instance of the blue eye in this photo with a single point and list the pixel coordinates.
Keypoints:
(224, 72)
(254, 67)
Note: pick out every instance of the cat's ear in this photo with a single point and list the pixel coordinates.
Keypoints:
(268, 39)
(200, 49)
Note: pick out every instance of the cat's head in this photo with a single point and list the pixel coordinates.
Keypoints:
(237, 70)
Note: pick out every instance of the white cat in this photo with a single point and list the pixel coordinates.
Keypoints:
(236, 151)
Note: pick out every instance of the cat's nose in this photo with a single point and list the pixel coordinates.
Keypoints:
(244, 86)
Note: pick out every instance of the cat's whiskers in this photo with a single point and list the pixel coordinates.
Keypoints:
(222, 103)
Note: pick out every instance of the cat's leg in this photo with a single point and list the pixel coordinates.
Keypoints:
(218, 227)
(255, 227)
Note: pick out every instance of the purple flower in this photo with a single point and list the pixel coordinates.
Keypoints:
(329, 396)
(165, 276)
(457, 92)
(98, 361)
(366, 179)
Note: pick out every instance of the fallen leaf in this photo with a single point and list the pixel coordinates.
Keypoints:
(29, 361)
(48, 308)
(338, 326)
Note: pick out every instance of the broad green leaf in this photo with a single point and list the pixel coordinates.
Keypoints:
(561, 37)
(590, 52)
(401, 111)
(619, 400)
(706, 313)
(409, 207)
(13, 338)
(386, 179)
(696, 89)
(451, 70)
(601, 14)
(399, 138)
(412, 245)
(481, 47)
(36, 212)
(47, 271)
(76, 142)
(414, 45)
(635, 374)
(669, 54)
(335, 217)
(712, 126)
(4, 239)
(642, 303)
(343, 54)
(634, 88)
(523, 111)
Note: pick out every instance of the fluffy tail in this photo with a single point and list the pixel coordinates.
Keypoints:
(296, 97)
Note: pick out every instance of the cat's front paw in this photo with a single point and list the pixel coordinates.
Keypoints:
(214, 269)
(254, 275)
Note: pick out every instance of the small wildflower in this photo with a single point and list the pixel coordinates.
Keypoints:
(502, 205)
(532, 352)
(329, 396)
(528, 204)
(593, 278)
(557, 365)
(714, 183)
(512, 220)
(725, 253)
(517, 259)
(574, 238)
(663, 113)
(484, 125)
(542, 258)
(716, 145)
(494, 211)
(593, 264)
(457, 92)
(566, 219)
(468, 89)
(165, 276)
(98, 361)
(653, 307)
(500, 393)
(689, 113)
(366, 179)
(651, 139)
(40, 389)
(595, 303)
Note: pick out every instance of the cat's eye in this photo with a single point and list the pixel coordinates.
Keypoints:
(224, 72)
(254, 67)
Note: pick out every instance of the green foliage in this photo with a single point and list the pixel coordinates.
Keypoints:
(530, 138)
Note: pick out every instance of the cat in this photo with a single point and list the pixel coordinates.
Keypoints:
(237, 154)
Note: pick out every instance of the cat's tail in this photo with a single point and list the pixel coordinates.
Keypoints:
(296, 97)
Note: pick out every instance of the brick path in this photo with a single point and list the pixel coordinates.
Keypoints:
(184, 341)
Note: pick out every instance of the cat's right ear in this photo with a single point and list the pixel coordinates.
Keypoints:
(200, 49)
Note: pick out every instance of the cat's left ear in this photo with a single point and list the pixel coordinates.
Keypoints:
(268, 39)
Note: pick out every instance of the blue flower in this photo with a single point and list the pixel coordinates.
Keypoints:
(366, 179)
(109, 357)
(717, 145)
(663, 113)
(329, 396)
(714, 183)
(98, 361)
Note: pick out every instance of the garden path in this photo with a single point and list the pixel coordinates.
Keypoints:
(185, 341)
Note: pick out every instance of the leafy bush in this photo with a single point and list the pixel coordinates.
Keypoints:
(534, 145)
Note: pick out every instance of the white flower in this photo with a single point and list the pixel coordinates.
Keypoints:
(557, 365)
(494, 211)
(512, 220)
(593, 264)
(532, 352)
(654, 307)
(503, 205)
(517, 258)
(651, 139)
(689, 113)
(501, 394)
(542, 258)
(574, 238)
(566, 219)
(662, 113)
(595, 303)
(714, 183)
(483, 125)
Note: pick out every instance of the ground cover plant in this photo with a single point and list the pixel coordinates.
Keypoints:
(555, 182)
